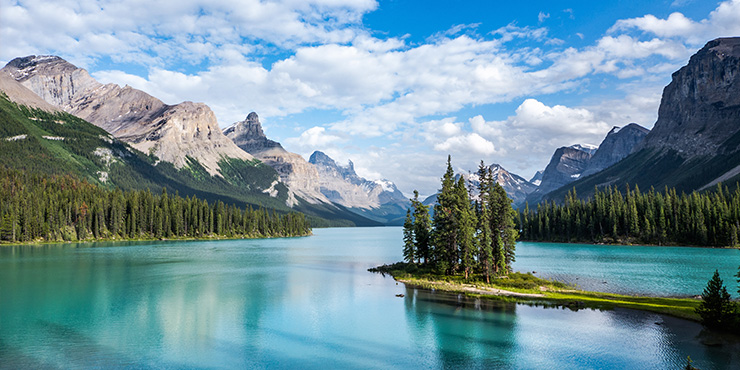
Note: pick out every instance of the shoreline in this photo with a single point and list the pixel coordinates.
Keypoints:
(528, 289)
(109, 240)
(629, 244)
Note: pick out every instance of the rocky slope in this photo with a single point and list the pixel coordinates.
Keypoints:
(21, 95)
(700, 108)
(171, 132)
(379, 200)
(566, 165)
(695, 142)
(536, 180)
(301, 177)
(617, 144)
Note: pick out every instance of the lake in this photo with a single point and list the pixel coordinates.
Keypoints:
(310, 303)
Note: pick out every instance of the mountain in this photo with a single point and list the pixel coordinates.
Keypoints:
(179, 147)
(695, 142)
(566, 165)
(517, 188)
(173, 133)
(617, 144)
(536, 180)
(57, 143)
(379, 200)
(301, 177)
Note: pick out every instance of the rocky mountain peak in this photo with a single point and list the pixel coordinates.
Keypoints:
(700, 108)
(171, 132)
(301, 177)
(587, 148)
(536, 180)
(249, 136)
(618, 144)
(342, 185)
(566, 165)
(25, 67)
(320, 158)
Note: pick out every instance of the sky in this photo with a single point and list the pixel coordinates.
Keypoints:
(395, 86)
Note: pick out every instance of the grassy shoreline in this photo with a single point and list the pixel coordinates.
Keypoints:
(528, 289)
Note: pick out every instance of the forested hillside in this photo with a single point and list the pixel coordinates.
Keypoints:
(62, 208)
(704, 219)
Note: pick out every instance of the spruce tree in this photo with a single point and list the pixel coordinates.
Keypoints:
(466, 227)
(716, 308)
(422, 229)
(409, 247)
(445, 228)
(485, 252)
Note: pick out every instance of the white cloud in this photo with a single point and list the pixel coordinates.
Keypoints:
(315, 137)
(469, 142)
(542, 16)
(723, 21)
(168, 29)
(675, 25)
(323, 58)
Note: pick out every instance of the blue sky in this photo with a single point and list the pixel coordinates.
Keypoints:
(395, 86)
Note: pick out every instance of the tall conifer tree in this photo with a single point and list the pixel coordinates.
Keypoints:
(422, 225)
(409, 244)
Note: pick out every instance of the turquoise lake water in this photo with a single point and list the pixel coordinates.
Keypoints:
(309, 303)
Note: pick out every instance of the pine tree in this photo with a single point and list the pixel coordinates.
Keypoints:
(409, 246)
(716, 308)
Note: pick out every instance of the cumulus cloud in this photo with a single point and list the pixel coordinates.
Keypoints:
(722, 21)
(469, 142)
(137, 30)
(315, 137)
(322, 58)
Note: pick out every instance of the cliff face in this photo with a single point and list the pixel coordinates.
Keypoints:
(21, 95)
(617, 144)
(566, 165)
(341, 185)
(695, 142)
(301, 177)
(700, 108)
(171, 132)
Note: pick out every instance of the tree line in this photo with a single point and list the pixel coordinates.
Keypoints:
(63, 208)
(703, 219)
(462, 236)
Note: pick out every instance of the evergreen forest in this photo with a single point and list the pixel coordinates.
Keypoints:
(710, 218)
(462, 236)
(37, 208)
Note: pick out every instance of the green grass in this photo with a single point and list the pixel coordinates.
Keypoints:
(553, 293)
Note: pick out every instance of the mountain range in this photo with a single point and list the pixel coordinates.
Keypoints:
(57, 118)
(182, 144)
(695, 142)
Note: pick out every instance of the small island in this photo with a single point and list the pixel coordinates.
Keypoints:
(468, 244)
